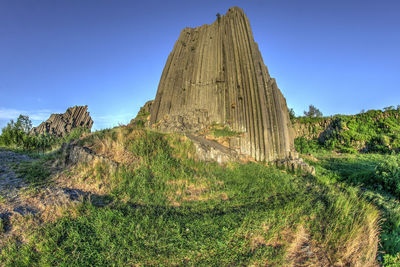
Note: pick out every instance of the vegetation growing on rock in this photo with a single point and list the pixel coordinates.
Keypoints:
(374, 131)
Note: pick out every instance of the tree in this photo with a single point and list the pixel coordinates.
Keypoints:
(218, 17)
(16, 133)
(24, 123)
(388, 108)
(292, 115)
(312, 112)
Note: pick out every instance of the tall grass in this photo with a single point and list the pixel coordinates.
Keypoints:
(169, 209)
(377, 176)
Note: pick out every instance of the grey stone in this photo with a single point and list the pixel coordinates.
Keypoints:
(215, 73)
(208, 150)
(74, 154)
(62, 124)
(24, 210)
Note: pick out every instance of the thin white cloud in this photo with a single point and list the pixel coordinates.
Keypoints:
(8, 114)
(37, 116)
(34, 115)
(108, 121)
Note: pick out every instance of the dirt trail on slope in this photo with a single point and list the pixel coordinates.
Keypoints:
(10, 184)
(23, 206)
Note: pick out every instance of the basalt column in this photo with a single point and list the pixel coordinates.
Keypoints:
(218, 70)
(63, 124)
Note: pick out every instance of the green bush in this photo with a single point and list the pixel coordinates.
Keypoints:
(304, 145)
(76, 133)
(391, 260)
(387, 175)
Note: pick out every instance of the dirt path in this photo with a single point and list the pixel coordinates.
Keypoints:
(10, 184)
(23, 206)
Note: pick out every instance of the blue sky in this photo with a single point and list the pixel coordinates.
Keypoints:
(341, 56)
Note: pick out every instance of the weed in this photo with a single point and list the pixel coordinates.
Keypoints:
(34, 172)
(2, 226)
(224, 132)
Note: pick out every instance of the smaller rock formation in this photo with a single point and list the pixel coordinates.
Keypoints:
(74, 154)
(143, 116)
(146, 109)
(62, 124)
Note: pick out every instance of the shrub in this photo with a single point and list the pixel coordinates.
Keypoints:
(304, 145)
(292, 115)
(76, 133)
(391, 261)
(387, 175)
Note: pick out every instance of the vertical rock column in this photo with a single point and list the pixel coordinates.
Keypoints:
(218, 68)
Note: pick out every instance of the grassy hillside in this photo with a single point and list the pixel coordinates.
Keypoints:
(360, 151)
(162, 207)
(374, 131)
(377, 177)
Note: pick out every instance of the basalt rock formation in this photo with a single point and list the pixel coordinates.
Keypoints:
(62, 124)
(215, 74)
(143, 114)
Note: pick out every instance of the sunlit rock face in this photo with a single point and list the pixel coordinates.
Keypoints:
(215, 74)
(62, 124)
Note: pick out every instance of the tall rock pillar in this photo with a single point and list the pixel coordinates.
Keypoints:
(215, 73)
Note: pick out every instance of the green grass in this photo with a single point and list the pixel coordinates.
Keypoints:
(2, 226)
(377, 177)
(172, 210)
(224, 132)
(147, 231)
(36, 172)
(374, 131)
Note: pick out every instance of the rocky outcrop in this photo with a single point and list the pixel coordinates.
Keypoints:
(74, 154)
(62, 124)
(215, 74)
(209, 150)
(143, 116)
(312, 130)
(146, 109)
